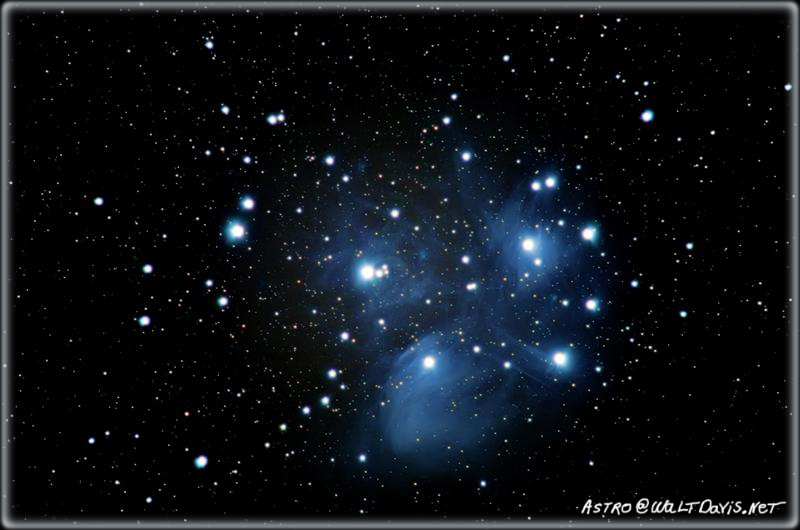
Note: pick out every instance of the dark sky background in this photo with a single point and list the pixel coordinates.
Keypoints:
(449, 397)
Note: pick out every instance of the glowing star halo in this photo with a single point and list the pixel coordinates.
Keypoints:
(560, 358)
(528, 244)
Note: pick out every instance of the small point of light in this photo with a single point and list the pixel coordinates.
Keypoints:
(560, 358)
(507, 365)
(210, 44)
(689, 245)
(472, 286)
(236, 231)
(306, 410)
(550, 182)
(565, 302)
(476, 349)
(248, 203)
(683, 314)
(201, 462)
(592, 304)
(272, 119)
(466, 156)
(598, 369)
(147, 268)
(246, 159)
(325, 401)
(453, 96)
(528, 245)
(429, 362)
(345, 178)
(282, 427)
(536, 185)
(394, 213)
(222, 301)
(647, 116)
(367, 272)
(329, 160)
(209, 283)
(465, 260)
(225, 109)
(446, 120)
(91, 441)
(362, 458)
(589, 233)
(634, 283)
(332, 373)
(98, 201)
(537, 262)
(144, 321)
(148, 500)
(787, 87)
(506, 58)
(345, 336)
(483, 483)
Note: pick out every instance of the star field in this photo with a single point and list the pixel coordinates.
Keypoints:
(357, 263)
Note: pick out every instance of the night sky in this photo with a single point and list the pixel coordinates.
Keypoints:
(462, 264)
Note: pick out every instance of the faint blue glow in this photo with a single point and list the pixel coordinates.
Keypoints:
(550, 182)
(429, 362)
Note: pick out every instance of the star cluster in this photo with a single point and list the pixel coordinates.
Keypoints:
(437, 263)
